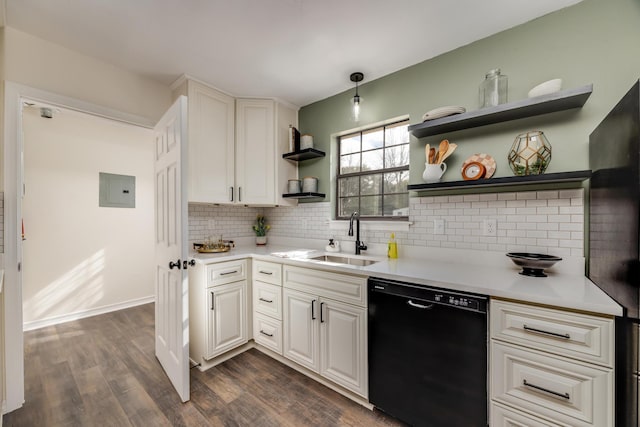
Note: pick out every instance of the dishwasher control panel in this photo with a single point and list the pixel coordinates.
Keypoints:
(455, 300)
(430, 295)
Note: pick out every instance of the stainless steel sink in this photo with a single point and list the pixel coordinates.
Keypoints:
(337, 259)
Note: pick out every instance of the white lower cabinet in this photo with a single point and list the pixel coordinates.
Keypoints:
(267, 304)
(227, 317)
(325, 335)
(217, 309)
(503, 416)
(549, 367)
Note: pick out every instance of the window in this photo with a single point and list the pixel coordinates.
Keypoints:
(373, 172)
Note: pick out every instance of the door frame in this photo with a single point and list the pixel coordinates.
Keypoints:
(14, 95)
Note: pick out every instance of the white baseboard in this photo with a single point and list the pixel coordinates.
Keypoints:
(37, 324)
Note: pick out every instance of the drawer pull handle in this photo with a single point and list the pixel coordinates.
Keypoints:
(321, 319)
(540, 331)
(266, 300)
(264, 333)
(555, 393)
(313, 310)
(228, 272)
(420, 306)
(269, 273)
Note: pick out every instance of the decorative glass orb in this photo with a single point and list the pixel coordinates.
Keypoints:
(530, 154)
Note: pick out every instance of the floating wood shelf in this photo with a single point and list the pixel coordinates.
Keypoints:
(549, 178)
(558, 101)
(306, 154)
(304, 195)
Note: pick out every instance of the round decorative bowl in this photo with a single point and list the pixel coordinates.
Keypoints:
(533, 264)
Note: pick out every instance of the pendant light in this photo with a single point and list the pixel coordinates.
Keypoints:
(357, 78)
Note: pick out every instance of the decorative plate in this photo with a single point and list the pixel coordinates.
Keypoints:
(486, 160)
(437, 113)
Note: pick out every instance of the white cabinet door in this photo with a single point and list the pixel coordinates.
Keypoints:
(227, 317)
(255, 150)
(343, 345)
(211, 145)
(300, 325)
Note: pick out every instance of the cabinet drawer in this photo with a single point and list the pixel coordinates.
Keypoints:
(226, 272)
(503, 416)
(554, 387)
(268, 272)
(341, 287)
(575, 335)
(267, 332)
(267, 299)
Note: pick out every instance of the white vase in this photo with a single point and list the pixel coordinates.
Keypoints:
(261, 240)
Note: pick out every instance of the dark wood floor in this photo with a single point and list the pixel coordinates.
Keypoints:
(101, 371)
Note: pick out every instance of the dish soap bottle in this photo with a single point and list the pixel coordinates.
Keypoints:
(392, 251)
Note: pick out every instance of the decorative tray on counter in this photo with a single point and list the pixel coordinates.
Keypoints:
(214, 248)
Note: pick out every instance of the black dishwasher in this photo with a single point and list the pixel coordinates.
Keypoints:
(428, 354)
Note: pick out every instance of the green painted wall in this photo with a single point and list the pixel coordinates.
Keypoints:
(596, 41)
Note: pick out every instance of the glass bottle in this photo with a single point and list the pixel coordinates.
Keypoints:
(493, 90)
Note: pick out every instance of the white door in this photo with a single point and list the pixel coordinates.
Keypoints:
(227, 317)
(172, 286)
(301, 319)
(343, 345)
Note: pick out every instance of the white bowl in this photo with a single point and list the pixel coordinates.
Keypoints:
(546, 88)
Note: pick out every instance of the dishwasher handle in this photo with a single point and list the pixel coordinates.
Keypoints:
(420, 306)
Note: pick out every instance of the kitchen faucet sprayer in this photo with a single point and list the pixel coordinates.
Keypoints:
(359, 245)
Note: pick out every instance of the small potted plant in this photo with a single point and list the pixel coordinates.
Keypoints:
(261, 227)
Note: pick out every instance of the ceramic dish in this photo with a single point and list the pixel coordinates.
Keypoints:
(546, 88)
(443, 112)
(486, 160)
(533, 264)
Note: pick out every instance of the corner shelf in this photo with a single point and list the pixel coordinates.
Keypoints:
(550, 178)
(303, 195)
(557, 101)
(306, 154)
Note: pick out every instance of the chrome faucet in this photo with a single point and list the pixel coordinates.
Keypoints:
(359, 245)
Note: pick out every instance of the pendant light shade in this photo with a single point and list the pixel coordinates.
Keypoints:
(356, 78)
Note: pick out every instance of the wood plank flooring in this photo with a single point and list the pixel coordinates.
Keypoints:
(101, 371)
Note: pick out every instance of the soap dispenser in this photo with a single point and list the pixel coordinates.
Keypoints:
(392, 251)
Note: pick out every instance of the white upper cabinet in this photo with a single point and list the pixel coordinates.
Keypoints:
(261, 139)
(236, 146)
(211, 127)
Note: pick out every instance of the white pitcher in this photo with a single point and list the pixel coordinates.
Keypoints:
(433, 173)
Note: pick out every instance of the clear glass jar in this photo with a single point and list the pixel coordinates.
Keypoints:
(493, 90)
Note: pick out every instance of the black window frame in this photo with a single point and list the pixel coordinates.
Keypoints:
(371, 172)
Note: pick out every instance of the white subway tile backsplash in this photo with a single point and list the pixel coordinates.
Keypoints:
(543, 221)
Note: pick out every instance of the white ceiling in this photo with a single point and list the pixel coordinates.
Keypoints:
(298, 50)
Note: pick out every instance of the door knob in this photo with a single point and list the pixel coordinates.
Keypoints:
(174, 264)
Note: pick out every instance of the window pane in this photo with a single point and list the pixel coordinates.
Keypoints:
(396, 205)
(396, 182)
(397, 134)
(350, 144)
(348, 187)
(348, 205)
(372, 139)
(371, 184)
(350, 163)
(396, 156)
(372, 160)
(371, 206)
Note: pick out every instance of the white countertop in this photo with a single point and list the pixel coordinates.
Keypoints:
(559, 289)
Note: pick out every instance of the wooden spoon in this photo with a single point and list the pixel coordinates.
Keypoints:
(442, 149)
(432, 155)
(427, 148)
(450, 150)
